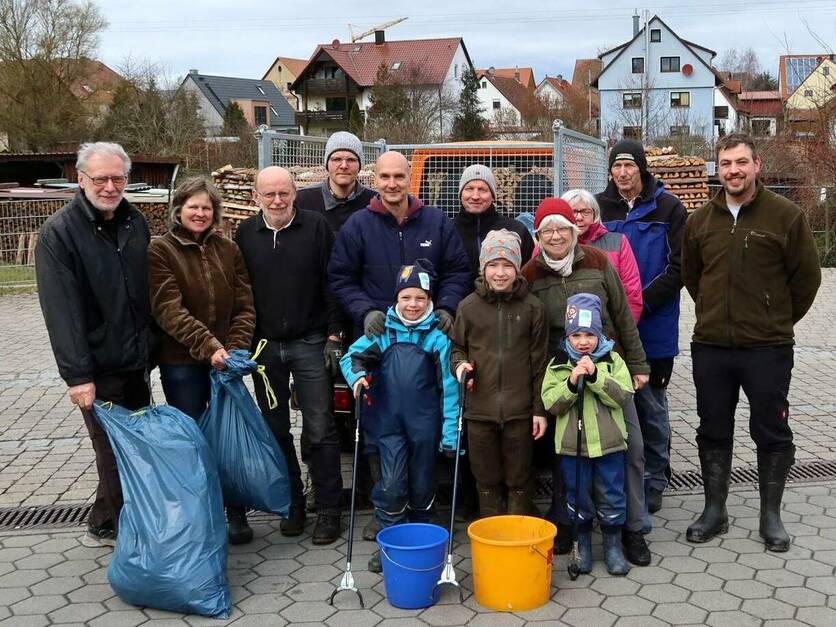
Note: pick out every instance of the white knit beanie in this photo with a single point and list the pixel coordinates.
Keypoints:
(343, 140)
(478, 172)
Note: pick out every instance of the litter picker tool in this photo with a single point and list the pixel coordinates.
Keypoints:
(448, 575)
(574, 563)
(347, 581)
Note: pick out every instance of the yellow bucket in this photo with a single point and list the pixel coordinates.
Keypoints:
(512, 561)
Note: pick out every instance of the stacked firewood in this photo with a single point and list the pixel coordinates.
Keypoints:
(683, 176)
(235, 184)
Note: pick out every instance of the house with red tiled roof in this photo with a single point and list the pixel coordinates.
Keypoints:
(523, 75)
(575, 103)
(338, 73)
(761, 111)
(282, 73)
(506, 102)
(728, 109)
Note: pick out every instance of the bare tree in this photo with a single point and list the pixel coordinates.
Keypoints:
(45, 52)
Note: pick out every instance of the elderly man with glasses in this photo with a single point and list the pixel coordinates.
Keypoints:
(91, 267)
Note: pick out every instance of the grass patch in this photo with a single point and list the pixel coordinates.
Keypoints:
(16, 276)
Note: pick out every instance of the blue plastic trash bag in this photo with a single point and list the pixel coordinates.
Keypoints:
(251, 465)
(171, 547)
(527, 218)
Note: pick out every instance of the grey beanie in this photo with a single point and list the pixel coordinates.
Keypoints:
(478, 172)
(343, 140)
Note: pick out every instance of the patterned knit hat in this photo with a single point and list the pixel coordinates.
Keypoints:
(500, 244)
(583, 313)
(420, 274)
(478, 172)
(343, 140)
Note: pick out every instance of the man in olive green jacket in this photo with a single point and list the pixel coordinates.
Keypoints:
(749, 262)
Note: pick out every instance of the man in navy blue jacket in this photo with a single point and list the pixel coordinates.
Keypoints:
(393, 231)
(636, 203)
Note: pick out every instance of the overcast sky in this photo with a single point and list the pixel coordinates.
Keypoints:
(242, 37)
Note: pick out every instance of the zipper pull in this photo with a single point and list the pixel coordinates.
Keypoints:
(746, 241)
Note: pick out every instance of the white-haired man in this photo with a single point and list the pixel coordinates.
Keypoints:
(91, 268)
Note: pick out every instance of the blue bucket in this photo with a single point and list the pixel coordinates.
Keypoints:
(413, 557)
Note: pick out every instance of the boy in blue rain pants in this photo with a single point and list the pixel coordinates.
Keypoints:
(589, 353)
(413, 394)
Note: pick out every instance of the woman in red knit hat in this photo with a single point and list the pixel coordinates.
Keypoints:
(564, 267)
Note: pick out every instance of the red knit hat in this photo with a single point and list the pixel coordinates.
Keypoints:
(553, 207)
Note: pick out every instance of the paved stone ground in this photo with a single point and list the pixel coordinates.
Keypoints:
(48, 578)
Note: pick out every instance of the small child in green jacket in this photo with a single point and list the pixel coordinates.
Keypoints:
(607, 389)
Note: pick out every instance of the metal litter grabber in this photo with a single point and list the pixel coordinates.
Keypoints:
(347, 581)
(574, 561)
(448, 575)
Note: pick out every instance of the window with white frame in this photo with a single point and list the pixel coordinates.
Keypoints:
(669, 64)
(680, 130)
(632, 100)
(496, 104)
(632, 132)
(655, 34)
(680, 99)
(638, 65)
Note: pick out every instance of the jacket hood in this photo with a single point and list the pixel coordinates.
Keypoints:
(595, 231)
(394, 321)
(376, 206)
(519, 290)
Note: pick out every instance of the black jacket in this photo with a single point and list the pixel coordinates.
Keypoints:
(288, 273)
(94, 290)
(474, 227)
(313, 199)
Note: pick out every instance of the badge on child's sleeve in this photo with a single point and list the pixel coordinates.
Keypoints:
(424, 278)
(585, 318)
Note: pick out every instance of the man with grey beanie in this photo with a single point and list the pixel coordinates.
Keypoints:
(341, 194)
(479, 215)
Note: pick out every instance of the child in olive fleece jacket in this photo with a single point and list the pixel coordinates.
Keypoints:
(607, 389)
(501, 336)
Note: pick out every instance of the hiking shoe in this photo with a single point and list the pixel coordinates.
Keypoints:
(374, 563)
(635, 548)
(294, 524)
(239, 530)
(97, 537)
(371, 529)
(326, 529)
(654, 500)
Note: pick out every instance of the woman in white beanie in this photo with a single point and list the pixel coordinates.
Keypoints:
(479, 215)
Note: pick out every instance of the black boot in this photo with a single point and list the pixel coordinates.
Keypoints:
(490, 501)
(294, 524)
(772, 476)
(520, 503)
(714, 520)
(239, 531)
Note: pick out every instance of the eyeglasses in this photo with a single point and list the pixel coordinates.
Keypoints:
(271, 196)
(118, 181)
(548, 233)
(345, 160)
(582, 212)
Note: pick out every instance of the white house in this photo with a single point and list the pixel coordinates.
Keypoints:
(339, 73)
(504, 100)
(726, 108)
(656, 85)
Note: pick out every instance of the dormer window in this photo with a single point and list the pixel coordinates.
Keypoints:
(396, 65)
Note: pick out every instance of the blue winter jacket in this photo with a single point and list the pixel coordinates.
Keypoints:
(364, 354)
(371, 248)
(655, 227)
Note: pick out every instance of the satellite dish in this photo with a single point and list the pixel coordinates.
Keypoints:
(335, 44)
(687, 69)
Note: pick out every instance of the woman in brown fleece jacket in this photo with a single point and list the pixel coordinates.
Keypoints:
(200, 296)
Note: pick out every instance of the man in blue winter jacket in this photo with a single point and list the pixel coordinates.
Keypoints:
(393, 231)
(636, 203)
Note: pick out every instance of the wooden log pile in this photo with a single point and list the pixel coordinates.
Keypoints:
(685, 177)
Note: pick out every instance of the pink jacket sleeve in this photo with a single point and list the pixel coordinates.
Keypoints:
(628, 271)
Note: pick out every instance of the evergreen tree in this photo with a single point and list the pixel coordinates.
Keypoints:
(468, 123)
(234, 124)
(355, 119)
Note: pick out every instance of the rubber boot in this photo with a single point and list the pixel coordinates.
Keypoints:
(584, 551)
(521, 504)
(240, 531)
(714, 520)
(563, 539)
(613, 554)
(772, 476)
(490, 501)
(372, 527)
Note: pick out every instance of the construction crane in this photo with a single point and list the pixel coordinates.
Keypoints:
(371, 31)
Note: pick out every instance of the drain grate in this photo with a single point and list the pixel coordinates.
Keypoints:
(44, 516)
(58, 516)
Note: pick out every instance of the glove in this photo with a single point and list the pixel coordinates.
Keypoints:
(374, 323)
(333, 352)
(445, 321)
(449, 450)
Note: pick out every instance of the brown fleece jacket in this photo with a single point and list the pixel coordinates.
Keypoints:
(200, 297)
(752, 278)
(505, 335)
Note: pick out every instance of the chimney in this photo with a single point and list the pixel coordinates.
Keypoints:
(635, 24)
(379, 38)
(192, 71)
(517, 74)
(492, 70)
